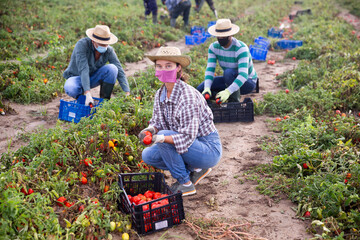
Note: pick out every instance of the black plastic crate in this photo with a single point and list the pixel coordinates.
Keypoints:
(233, 111)
(145, 218)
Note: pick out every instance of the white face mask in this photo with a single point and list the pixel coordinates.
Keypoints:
(101, 49)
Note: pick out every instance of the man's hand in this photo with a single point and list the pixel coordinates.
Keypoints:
(223, 95)
(206, 91)
(89, 99)
(142, 133)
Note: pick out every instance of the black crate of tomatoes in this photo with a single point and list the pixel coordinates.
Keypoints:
(151, 203)
(233, 111)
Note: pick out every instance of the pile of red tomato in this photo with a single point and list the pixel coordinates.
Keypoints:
(147, 197)
(160, 210)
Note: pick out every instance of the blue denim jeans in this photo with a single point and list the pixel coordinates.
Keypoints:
(150, 7)
(182, 8)
(222, 82)
(205, 152)
(106, 73)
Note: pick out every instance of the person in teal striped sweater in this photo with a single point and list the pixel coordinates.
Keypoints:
(234, 58)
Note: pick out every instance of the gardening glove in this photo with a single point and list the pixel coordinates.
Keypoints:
(223, 95)
(89, 99)
(142, 133)
(206, 91)
(156, 139)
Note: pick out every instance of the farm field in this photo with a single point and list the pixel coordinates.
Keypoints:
(293, 173)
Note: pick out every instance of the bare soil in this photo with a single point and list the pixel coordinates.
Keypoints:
(225, 194)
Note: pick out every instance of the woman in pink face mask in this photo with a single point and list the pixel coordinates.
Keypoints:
(184, 138)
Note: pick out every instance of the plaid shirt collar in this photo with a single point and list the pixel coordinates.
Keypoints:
(174, 94)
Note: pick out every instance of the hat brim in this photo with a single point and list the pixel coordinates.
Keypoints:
(234, 29)
(113, 39)
(183, 60)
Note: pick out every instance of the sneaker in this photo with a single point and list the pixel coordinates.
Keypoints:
(190, 190)
(195, 177)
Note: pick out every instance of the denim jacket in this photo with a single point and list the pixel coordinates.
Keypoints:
(170, 4)
(83, 64)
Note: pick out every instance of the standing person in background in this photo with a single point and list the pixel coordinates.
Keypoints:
(151, 7)
(177, 8)
(199, 4)
(184, 137)
(88, 69)
(234, 58)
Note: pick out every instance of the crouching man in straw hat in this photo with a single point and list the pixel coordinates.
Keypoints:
(234, 58)
(88, 68)
(184, 138)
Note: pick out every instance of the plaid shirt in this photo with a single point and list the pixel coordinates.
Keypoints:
(185, 112)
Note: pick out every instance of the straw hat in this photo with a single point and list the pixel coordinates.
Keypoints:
(172, 54)
(101, 34)
(223, 28)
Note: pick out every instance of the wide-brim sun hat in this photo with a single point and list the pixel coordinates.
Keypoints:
(172, 54)
(223, 28)
(101, 34)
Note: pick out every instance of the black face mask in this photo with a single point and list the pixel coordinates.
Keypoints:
(223, 41)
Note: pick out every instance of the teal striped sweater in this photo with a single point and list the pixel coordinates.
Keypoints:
(237, 56)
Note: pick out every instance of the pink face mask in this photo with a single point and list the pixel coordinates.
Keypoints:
(166, 76)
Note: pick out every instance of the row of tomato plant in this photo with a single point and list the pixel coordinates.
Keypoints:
(316, 150)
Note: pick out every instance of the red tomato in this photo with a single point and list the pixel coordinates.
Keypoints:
(83, 180)
(87, 161)
(60, 201)
(136, 199)
(157, 195)
(148, 194)
(207, 96)
(106, 188)
(30, 191)
(218, 101)
(145, 207)
(68, 204)
(83, 174)
(130, 198)
(305, 166)
(307, 214)
(164, 202)
(147, 140)
(142, 197)
(148, 133)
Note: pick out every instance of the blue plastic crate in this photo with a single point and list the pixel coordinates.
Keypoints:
(189, 40)
(289, 44)
(195, 39)
(211, 23)
(275, 33)
(73, 111)
(197, 29)
(258, 52)
(263, 41)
